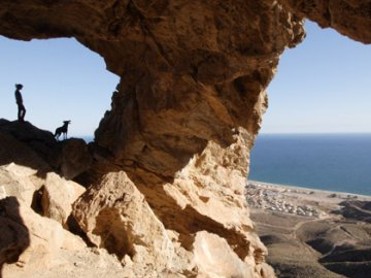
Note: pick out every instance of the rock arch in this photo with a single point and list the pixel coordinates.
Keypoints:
(192, 93)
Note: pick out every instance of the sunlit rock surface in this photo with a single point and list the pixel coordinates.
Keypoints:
(188, 107)
(351, 18)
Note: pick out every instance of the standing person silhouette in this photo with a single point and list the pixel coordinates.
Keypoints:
(19, 100)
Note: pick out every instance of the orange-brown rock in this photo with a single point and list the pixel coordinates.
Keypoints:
(116, 216)
(215, 258)
(18, 181)
(30, 240)
(57, 198)
(193, 89)
(351, 18)
(35, 246)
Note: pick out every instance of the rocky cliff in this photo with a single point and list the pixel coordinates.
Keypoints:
(166, 187)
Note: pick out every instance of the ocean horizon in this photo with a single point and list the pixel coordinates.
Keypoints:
(331, 162)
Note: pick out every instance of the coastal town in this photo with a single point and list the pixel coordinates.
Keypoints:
(292, 200)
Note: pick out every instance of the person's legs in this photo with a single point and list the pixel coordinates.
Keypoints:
(24, 113)
(21, 113)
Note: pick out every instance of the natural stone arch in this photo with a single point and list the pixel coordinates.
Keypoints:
(192, 92)
(165, 59)
(53, 71)
(349, 17)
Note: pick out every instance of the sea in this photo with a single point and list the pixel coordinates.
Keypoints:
(88, 138)
(333, 162)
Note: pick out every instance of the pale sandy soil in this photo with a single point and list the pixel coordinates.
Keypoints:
(84, 263)
(312, 233)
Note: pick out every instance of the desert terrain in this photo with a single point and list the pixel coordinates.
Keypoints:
(312, 233)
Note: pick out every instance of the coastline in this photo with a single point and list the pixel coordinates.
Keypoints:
(326, 162)
(311, 232)
(300, 188)
(297, 200)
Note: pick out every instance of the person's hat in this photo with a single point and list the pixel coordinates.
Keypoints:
(19, 86)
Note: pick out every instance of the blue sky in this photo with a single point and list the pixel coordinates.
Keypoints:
(322, 86)
(63, 80)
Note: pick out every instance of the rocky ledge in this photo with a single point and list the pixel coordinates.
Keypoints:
(52, 225)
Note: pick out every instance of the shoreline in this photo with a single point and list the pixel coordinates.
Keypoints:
(297, 187)
(294, 200)
(311, 232)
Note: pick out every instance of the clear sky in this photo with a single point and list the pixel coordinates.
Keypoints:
(323, 85)
(62, 79)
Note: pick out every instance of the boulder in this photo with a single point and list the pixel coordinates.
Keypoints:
(215, 258)
(58, 196)
(15, 236)
(116, 216)
(75, 158)
(47, 239)
(30, 239)
(204, 197)
(19, 181)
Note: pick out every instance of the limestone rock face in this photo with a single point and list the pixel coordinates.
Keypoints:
(215, 258)
(30, 240)
(348, 17)
(15, 237)
(189, 105)
(58, 195)
(46, 239)
(18, 181)
(32, 245)
(205, 196)
(116, 216)
(75, 158)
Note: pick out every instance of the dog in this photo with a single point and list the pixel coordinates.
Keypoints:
(62, 130)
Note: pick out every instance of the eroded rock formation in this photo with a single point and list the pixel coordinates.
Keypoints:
(351, 18)
(173, 150)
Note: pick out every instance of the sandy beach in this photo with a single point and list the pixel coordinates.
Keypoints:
(310, 232)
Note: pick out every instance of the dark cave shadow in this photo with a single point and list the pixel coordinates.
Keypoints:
(24, 144)
(15, 236)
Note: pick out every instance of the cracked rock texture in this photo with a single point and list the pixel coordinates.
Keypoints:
(172, 155)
